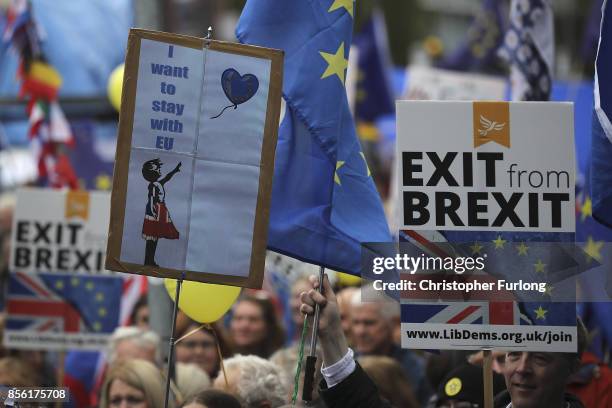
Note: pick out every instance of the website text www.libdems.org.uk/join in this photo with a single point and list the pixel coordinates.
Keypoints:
(544, 337)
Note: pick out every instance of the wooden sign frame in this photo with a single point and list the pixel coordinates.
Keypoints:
(124, 144)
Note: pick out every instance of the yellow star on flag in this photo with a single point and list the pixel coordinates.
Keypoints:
(336, 63)
(74, 281)
(59, 284)
(476, 248)
(522, 248)
(99, 296)
(366, 163)
(499, 242)
(103, 182)
(548, 290)
(586, 209)
(102, 312)
(97, 326)
(540, 313)
(89, 286)
(336, 176)
(539, 266)
(347, 4)
(593, 249)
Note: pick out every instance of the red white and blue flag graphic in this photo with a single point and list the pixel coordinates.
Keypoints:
(61, 311)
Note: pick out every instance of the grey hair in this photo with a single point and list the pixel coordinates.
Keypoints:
(388, 308)
(259, 380)
(141, 337)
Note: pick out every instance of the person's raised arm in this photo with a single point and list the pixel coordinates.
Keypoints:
(348, 386)
(331, 337)
(172, 173)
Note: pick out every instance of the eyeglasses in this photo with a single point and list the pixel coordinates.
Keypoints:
(191, 344)
(129, 399)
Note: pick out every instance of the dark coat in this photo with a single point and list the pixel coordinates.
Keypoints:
(355, 391)
(503, 399)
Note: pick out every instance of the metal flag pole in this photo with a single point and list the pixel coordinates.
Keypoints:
(311, 360)
(170, 371)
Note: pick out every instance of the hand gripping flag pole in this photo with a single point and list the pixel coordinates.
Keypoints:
(311, 360)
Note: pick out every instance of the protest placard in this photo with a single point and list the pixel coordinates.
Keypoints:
(426, 83)
(59, 295)
(195, 158)
(494, 173)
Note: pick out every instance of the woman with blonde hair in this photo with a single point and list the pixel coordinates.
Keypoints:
(134, 383)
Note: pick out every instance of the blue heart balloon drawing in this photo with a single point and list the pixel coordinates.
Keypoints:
(238, 88)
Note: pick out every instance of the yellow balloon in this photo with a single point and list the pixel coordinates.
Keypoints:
(203, 302)
(345, 279)
(115, 83)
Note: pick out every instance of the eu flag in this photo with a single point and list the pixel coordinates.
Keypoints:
(374, 93)
(324, 202)
(483, 38)
(601, 170)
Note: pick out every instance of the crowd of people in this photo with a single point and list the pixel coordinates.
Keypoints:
(249, 357)
(247, 360)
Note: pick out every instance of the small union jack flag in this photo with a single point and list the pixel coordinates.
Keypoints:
(63, 303)
(463, 313)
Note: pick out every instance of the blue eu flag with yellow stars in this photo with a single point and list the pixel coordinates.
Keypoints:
(324, 202)
(96, 298)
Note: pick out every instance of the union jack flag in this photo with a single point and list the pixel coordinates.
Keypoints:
(533, 312)
(463, 313)
(84, 370)
(63, 303)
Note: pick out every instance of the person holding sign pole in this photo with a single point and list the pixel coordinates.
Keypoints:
(345, 384)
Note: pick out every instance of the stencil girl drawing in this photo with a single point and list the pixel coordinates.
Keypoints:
(157, 222)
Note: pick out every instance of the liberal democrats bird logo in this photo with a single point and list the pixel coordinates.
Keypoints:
(489, 126)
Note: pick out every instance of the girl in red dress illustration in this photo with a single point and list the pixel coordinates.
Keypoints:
(157, 222)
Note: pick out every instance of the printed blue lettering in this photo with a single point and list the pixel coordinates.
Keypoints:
(175, 126)
(170, 70)
(166, 143)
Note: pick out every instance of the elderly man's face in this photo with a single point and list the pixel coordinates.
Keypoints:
(536, 379)
(127, 349)
(371, 333)
(344, 306)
